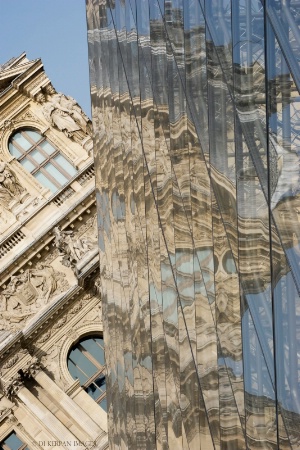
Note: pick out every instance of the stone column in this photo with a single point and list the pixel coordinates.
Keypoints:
(71, 408)
(64, 438)
(68, 405)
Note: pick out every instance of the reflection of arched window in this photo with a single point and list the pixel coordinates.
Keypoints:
(12, 442)
(86, 363)
(41, 159)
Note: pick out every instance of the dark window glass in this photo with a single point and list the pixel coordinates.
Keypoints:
(12, 442)
(41, 158)
(87, 364)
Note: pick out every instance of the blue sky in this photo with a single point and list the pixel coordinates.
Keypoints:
(55, 31)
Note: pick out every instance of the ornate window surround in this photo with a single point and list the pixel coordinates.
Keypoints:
(91, 383)
(16, 431)
(48, 158)
(71, 340)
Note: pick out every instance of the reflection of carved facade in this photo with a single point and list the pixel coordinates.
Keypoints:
(197, 155)
(49, 297)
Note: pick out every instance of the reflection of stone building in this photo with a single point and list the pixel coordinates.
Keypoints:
(50, 308)
(197, 179)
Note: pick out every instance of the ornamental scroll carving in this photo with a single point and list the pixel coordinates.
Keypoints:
(64, 113)
(27, 293)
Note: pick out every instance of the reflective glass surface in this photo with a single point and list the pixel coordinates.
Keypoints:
(196, 115)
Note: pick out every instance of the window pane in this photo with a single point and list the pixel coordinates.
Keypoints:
(13, 442)
(47, 147)
(39, 158)
(55, 173)
(76, 373)
(34, 135)
(93, 348)
(100, 382)
(22, 141)
(80, 360)
(93, 391)
(100, 341)
(14, 151)
(65, 165)
(27, 165)
(103, 404)
(45, 182)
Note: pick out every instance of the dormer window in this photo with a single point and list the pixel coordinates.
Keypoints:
(39, 157)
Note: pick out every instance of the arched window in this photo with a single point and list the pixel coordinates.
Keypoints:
(86, 363)
(41, 159)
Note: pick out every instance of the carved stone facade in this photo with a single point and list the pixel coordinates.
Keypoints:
(49, 284)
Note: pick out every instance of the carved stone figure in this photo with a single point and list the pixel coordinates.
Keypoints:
(44, 278)
(9, 181)
(71, 247)
(65, 114)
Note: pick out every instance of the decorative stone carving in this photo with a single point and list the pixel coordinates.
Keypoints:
(32, 368)
(71, 247)
(9, 181)
(97, 286)
(14, 385)
(27, 293)
(11, 362)
(94, 315)
(64, 113)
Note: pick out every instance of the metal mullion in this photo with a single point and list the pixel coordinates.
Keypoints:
(99, 345)
(58, 167)
(24, 152)
(90, 357)
(31, 141)
(31, 159)
(100, 398)
(93, 377)
(79, 368)
(42, 151)
(47, 175)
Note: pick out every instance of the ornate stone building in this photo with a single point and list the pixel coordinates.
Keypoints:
(51, 347)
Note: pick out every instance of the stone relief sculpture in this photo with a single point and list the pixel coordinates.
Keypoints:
(71, 247)
(11, 191)
(64, 113)
(27, 293)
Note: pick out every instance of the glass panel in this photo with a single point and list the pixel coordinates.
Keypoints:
(33, 135)
(13, 442)
(103, 404)
(55, 173)
(35, 154)
(22, 141)
(45, 182)
(14, 151)
(99, 341)
(27, 165)
(93, 391)
(91, 346)
(65, 165)
(100, 382)
(76, 373)
(47, 147)
(78, 358)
